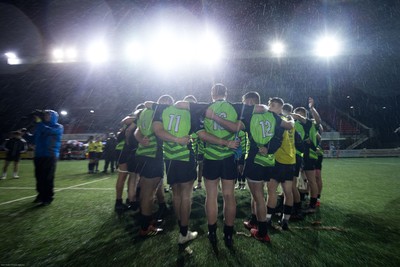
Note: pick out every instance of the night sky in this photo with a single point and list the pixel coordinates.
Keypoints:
(365, 76)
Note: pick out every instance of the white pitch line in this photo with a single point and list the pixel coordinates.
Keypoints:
(77, 188)
(57, 190)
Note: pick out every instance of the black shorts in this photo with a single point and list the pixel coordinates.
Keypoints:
(255, 172)
(199, 158)
(318, 163)
(180, 171)
(299, 165)
(132, 163)
(15, 158)
(92, 155)
(224, 169)
(121, 156)
(149, 167)
(283, 172)
(308, 163)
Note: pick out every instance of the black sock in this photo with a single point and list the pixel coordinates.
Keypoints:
(212, 228)
(228, 230)
(183, 230)
(253, 219)
(270, 212)
(319, 196)
(262, 228)
(297, 206)
(313, 202)
(162, 206)
(287, 210)
(118, 201)
(145, 221)
(302, 196)
(179, 223)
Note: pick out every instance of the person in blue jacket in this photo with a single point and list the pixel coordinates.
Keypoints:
(47, 139)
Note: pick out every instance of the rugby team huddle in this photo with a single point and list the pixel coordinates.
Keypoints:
(280, 143)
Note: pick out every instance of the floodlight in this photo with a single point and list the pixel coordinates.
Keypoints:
(58, 54)
(12, 58)
(71, 53)
(164, 49)
(210, 49)
(63, 112)
(327, 46)
(134, 51)
(277, 48)
(97, 52)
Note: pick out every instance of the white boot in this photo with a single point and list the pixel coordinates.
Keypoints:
(189, 236)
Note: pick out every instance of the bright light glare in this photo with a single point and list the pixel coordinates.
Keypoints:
(277, 48)
(61, 55)
(327, 47)
(71, 53)
(63, 112)
(12, 58)
(97, 52)
(165, 50)
(58, 54)
(210, 49)
(91, 111)
(134, 51)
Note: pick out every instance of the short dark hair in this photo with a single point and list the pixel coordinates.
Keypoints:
(219, 89)
(287, 107)
(252, 95)
(277, 100)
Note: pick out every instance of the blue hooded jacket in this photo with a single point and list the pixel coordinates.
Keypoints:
(47, 137)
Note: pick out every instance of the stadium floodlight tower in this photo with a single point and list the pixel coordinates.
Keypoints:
(61, 55)
(97, 52)
(327, 47)
(277, 48)
(58, 55)
(12, 58)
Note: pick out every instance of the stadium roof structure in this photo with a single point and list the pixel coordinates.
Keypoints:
(363, 75)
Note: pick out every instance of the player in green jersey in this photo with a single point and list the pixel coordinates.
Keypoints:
(174, 126)
(307, 128)
(259, 163)
(149, 156)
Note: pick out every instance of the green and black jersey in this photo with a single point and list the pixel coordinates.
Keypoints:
(144, 123)
(197, 144)
(308, 132)
(179, 123)
(264, 131)
(230, 112)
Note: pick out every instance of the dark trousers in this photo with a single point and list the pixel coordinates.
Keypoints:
(45, 168)
(109, 160)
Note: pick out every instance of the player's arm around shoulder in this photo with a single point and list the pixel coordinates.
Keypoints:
(210, 138)
(161, 133)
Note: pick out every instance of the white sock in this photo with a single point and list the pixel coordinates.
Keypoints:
(269, 216)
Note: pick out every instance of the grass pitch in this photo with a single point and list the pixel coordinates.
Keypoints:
(359, 210)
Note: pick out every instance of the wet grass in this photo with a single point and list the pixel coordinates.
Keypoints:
(361, 199)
